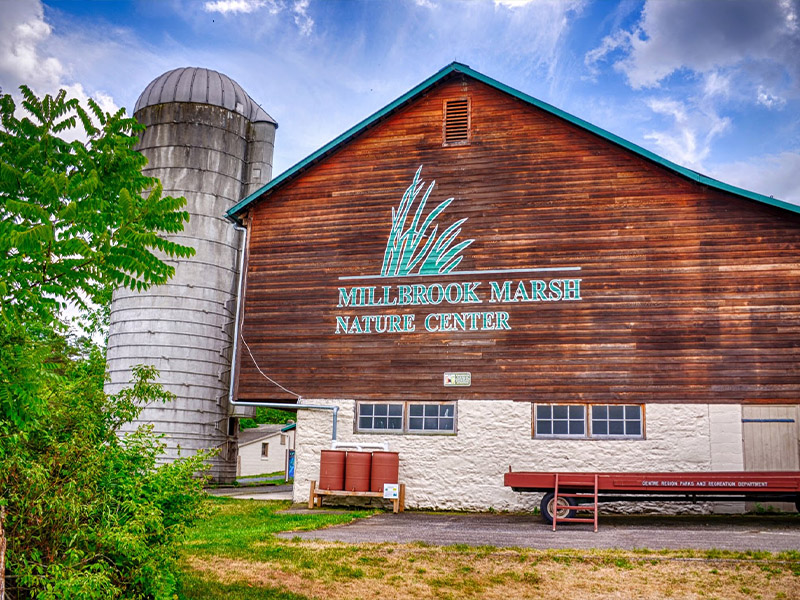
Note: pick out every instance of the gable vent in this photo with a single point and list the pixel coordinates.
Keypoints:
(456, 121)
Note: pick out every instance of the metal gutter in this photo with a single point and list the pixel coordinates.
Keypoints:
(298, 406)
(238, 313)
(456, 67)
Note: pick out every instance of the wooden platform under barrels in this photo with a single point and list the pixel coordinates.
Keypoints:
(316, 494)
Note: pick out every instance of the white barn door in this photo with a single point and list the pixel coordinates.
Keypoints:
(771, 441)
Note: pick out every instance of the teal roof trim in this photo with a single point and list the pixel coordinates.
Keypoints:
(456, 67)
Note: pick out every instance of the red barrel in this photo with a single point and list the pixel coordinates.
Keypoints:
(357, 471)
(331, 469)
(385, 467)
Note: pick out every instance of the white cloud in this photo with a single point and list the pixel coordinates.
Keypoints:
(22, 30)
(716, 84)
(513, 3)
(765, 98)
(688, 141)
(25, 58)
(707, 36)
(610, 43)
(297, 8)
(304, 22)
(772, 175)
(234, 6)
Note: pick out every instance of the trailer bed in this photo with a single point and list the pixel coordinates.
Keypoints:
(721, 483)
(565, 494)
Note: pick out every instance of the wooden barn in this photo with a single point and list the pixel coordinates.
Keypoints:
(481, 280)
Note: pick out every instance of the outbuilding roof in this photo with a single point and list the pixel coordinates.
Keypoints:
(254, 434)
(235, 212)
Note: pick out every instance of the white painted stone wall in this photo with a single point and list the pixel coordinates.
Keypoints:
(465, 471)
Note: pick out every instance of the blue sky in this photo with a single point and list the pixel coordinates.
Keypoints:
(712, 85)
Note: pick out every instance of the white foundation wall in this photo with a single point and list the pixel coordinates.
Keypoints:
(465, 471)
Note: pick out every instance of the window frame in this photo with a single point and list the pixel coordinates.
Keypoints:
(406, 418)
(588, 422)
(264, 449)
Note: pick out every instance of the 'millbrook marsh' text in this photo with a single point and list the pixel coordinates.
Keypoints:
(472, 292)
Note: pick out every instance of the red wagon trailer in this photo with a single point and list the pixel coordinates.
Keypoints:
(571, 492)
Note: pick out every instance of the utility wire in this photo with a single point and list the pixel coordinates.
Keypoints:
(250, 352)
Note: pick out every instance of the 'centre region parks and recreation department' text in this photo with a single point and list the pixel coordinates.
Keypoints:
(472, 292)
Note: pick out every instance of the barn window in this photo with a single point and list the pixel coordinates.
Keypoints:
(560, 420)
(265, 450)
(456, 127)
(432, 417)
(616, 421)
(406, 417)
(380, 417)
(607, 421)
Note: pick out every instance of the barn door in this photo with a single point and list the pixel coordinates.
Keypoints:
(771, 440)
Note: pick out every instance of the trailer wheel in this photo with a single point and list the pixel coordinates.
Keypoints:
(564, 512)
(797, 503)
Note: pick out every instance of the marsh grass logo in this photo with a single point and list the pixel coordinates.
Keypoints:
(417, 249)
(419, 245)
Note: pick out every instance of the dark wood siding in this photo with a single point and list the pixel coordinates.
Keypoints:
(689, 294)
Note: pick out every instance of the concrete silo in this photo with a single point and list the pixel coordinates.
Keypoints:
(207, 140)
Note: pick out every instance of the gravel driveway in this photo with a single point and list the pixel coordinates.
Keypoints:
(763, 532)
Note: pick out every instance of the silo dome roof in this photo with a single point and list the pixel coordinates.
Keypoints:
(201, 86)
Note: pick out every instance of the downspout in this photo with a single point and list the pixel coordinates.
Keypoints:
(235, 352)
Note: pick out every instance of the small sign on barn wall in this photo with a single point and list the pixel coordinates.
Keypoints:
(463, 379)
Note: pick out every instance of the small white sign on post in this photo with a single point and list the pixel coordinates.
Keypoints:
(391, 491)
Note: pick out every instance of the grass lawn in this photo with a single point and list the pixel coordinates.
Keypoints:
(234, 555)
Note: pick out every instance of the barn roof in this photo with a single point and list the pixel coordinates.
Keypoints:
(456, 68)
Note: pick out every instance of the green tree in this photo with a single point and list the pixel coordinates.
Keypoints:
(267, 415)
(87, 514)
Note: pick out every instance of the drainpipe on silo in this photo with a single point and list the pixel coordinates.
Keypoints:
(235, 352)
